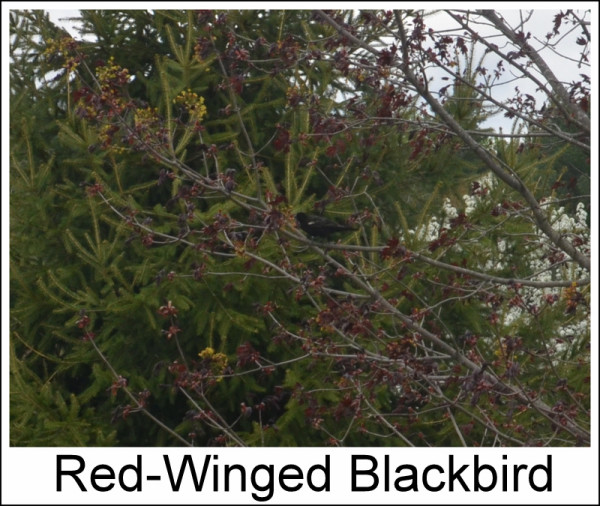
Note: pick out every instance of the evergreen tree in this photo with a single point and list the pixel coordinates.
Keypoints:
(178, 301)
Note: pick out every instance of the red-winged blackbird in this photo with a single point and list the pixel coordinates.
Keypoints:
(319, 226)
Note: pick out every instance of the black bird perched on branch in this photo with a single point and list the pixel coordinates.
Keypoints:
(319, 226)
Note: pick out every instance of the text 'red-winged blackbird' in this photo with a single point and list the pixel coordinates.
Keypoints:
(319, 226)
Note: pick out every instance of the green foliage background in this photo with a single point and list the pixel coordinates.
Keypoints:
(70, 253)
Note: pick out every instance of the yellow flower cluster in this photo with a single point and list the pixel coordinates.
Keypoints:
(65, 46)
(106, 134)
(58, 46)
(145, 116)
(112, 72)
(573, 297)
(570, 293)
(192, 102)
(218, 361)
